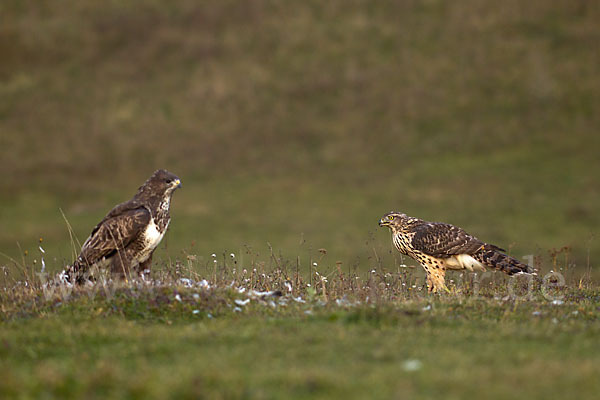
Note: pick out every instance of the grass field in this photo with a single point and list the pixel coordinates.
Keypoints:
(294, 127)
(270, 334)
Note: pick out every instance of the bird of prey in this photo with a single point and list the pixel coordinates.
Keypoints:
(128, 235)
(439, 247)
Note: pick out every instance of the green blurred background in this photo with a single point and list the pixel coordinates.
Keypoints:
(300, 123)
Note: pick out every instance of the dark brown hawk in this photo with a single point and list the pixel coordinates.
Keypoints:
(126, 238)
(438, 247)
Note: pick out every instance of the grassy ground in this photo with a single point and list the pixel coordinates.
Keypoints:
(349, 336)
(294, 126)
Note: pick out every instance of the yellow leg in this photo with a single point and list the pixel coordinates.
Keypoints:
(436, 281)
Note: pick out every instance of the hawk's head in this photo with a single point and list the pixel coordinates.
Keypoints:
(161, 183)
(392, 220)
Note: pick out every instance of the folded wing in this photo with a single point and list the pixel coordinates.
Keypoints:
(445, 240)
(114, 233)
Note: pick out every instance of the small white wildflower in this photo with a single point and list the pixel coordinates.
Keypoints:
(185, 282)
(209, 316)
(412, 365)
(241, 289)
(215, 261)
(315, 264)
(373, 271)
(288, 286)
(237, 309)
(204, 283)
(213, 255)
(232, 255)
(178, 297)
(344, 302)
(241, 302)
(196, 312)
(196, 296)
(427, 307)
(558, 302)
(256, 293)
(298, 299)
(42, 250)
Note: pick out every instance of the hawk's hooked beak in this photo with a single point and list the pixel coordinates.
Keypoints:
(384, 221)
(177, 183)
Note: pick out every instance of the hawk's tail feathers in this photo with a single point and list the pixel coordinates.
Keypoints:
(500, 261)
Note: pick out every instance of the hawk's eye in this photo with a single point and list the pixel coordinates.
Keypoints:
(391, 217)
(169, 181)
